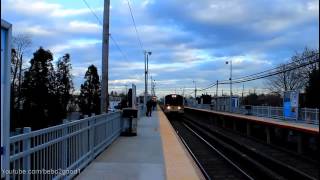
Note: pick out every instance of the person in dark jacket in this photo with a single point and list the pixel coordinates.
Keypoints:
(154, 104)
(149, 108)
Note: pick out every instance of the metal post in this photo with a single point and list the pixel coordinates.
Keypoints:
(217, 88)
(65, 144)
(146, 67)
(91, 137)
(105, 58)
(230, 85)
(151, 88)
(145, 81)
(195, 89)
(26, 158)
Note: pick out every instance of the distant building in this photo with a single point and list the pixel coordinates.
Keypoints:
(222, 103)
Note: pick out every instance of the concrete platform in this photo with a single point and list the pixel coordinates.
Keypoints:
(306, 128)
(145, 156)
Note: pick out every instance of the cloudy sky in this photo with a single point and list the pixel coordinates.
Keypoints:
(190, 40)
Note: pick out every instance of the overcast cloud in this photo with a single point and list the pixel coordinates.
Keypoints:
(190, 40)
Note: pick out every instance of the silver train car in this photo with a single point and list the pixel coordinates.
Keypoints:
(173, 103)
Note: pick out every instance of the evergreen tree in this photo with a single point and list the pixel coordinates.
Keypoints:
(37, 89)
(90, 92)
(63, 84)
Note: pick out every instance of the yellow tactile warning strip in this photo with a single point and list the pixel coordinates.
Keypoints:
(178, 163)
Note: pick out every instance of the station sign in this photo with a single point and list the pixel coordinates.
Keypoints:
(290, 105)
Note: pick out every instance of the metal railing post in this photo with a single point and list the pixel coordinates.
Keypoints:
(91, 137)
(26, 158)
(65, 145)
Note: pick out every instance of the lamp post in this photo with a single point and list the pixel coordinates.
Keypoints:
(195, 91)
(227, 62)
(154, 87)
(146, 67)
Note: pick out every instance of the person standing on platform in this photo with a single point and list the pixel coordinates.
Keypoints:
(154, 104)
(149, 108)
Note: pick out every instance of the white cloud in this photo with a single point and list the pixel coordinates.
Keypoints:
(33, 30)
(43, 8)
(82, 26)
(74, 44)
(124, 81)
(73, 12)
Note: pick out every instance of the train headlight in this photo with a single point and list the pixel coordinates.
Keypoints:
(179, 107)
(168, 107)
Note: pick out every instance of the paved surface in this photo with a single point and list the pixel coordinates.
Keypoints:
(131, 158)
(155, 154)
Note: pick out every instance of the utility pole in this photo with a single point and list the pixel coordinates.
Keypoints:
(195, 89)
(146, 67)
(230, 84)
(154, 87)
(242, 94)
(217, 88)
(105, 58)
(126, 93)
(151, 85)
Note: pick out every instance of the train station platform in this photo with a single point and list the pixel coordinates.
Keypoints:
(291, 125)
(155, 153)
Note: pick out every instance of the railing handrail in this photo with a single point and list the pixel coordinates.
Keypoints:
(66, 146)
(273, 112)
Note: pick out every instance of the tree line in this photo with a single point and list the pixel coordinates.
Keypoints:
(42, 93)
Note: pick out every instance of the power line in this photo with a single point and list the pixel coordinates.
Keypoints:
(92, 11)
(272, 73)
(286, 67)
(118, 47)
(267, 73)
(100, 22)
(134, 23)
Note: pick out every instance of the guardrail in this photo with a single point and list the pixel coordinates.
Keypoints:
(305, 115)
(57, 152)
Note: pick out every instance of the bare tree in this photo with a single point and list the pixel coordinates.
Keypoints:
(21, 44)
(294, 79)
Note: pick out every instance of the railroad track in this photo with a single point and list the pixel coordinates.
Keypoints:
(246, 163)
(210, 160)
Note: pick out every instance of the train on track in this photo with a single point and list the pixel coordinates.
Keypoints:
(173, 104)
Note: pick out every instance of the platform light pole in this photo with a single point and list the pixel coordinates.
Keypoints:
(227, 62)
(105, 58)
(146, 67)
(195, 91)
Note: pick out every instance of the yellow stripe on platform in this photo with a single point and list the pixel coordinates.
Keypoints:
(178, 163)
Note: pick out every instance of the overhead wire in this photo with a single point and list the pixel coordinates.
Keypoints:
(111, 37)
(267, 73)
(135, 26)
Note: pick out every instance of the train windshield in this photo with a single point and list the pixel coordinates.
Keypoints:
(174, 100)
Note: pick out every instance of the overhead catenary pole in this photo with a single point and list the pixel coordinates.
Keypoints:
(105, 58)
(230, 79)
(146, 67)
(217, 88)
(230, 85)
(145, 80)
